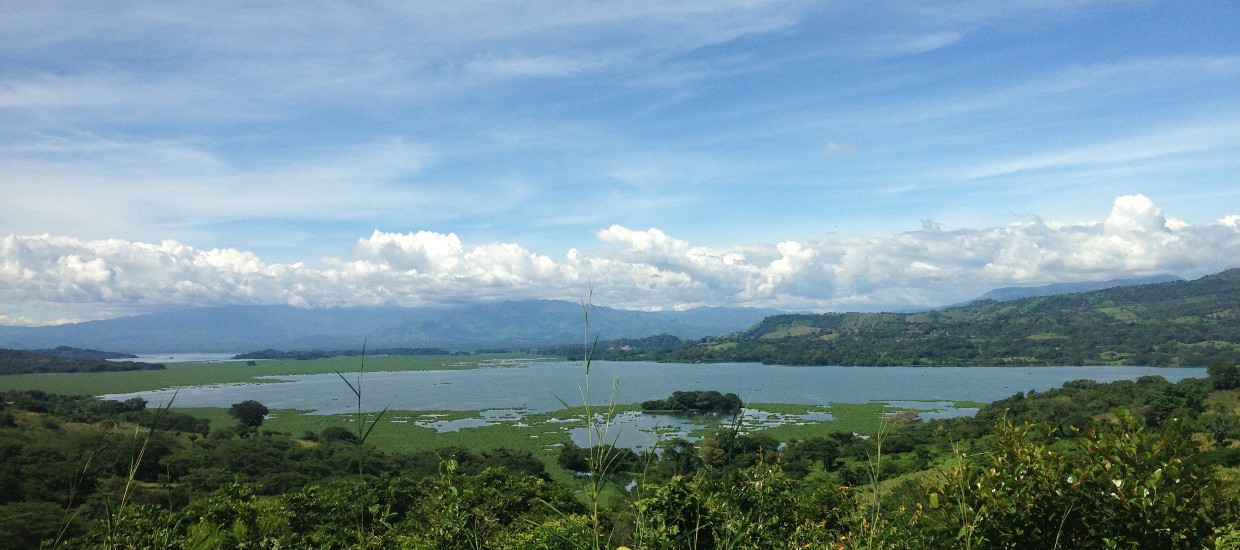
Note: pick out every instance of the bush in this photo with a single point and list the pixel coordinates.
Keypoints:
(1115, 485)
(756, 507)
(337, 433)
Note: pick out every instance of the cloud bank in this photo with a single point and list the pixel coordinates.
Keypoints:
(641, 269)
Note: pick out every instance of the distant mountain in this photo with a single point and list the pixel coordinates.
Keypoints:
(515, 324)
(1173, 323)
(1006, 294)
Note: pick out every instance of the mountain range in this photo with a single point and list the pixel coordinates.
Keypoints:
(510, 324)
(521, 324)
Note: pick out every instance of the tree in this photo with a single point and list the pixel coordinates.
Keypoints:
(248, 413)
(1225, 376)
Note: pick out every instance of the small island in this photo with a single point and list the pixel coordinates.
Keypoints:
(700, 402)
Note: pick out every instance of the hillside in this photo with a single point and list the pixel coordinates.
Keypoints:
(1006, 294)
(1173, 323)
(509, 324)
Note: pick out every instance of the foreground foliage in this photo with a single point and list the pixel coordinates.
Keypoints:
(1138, 464)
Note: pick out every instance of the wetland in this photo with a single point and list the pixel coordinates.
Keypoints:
(476, 401)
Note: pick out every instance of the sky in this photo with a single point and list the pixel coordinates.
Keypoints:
(806, 156)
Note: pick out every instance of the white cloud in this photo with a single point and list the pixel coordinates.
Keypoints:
(1190, 138)
(904, 44)
(246, 59)
(158, 184)
(1135, 213)
(642, 269)
(524, 65)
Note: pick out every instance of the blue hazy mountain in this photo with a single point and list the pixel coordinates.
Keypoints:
(510, 324)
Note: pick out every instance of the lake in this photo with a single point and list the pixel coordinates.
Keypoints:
(200, 357)
(534, 385)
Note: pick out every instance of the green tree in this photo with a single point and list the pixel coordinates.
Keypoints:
(1224, 376)
(249, 413)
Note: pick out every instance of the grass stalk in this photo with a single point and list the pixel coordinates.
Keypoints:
(363, 433)
(113, 517)
(602, 453)
(70, 513)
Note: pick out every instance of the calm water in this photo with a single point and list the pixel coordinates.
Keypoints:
(537, 386)
(183, 358)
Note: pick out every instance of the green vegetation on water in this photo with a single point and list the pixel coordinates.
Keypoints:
(230, 372)
(308, 355)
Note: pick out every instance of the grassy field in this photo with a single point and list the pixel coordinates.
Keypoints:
(198, 374)
(862, 418)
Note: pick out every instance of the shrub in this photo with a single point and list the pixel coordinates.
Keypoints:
(1114, 485)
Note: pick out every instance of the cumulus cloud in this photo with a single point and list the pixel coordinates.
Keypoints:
(1135, 213)
(634, 268)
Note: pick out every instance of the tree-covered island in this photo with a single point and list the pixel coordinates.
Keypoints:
(698, 402)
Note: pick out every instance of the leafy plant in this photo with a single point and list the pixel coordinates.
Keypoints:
(1113, 485)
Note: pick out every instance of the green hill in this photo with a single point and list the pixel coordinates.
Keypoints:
(1190, 323)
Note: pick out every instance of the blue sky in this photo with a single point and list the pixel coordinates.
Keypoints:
(804, 155)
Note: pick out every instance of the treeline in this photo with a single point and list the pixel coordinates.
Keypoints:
(1134, 464)
(14, 361)
(1180, 323)
(629, 349)
(80, 353)
(318, 354)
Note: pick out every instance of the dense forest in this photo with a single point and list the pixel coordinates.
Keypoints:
(1175, 323)
(1133, 464)
(14, 361)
